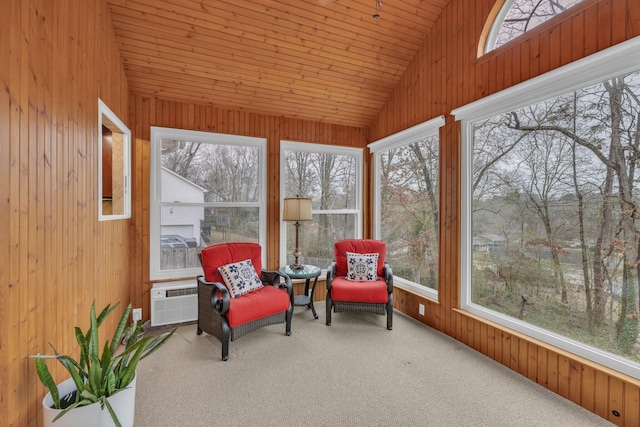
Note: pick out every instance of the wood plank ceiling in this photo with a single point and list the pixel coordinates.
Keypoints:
(322, 60)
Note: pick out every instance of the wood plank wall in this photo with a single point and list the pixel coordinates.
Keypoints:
(447, 74)
(58, 57)
(146, 112)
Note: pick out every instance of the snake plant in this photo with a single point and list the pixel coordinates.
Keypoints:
(100, 375)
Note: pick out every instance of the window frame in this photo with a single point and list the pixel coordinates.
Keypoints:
(104, 112)
(496, 25)
(407, 136)
(616, 60)
(155, 204)
(328, 149)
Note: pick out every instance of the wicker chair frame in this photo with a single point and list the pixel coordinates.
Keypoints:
(344, 306)
(213, 305)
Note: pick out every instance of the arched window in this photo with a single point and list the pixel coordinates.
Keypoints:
(516, 17)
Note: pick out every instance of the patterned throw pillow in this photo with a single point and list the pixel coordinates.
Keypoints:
(362, 267)
(240, 278)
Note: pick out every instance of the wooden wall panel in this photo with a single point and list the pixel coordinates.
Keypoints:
(58, 58)
(146, 112)
(5, 194)
(446, 74)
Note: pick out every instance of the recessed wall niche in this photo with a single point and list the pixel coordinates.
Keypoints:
(114, 153)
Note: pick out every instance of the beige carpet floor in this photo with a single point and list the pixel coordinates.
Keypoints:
(352, 373)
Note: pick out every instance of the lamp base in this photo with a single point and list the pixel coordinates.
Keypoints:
(296, 267)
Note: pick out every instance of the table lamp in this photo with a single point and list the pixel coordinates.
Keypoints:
(297, 209)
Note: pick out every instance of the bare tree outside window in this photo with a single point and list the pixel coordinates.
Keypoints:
(409, 210)
(520, 16)
(209, 193)
(331, 181)
(555, 215)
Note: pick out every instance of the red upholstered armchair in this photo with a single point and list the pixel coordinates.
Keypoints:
(235, 298)
(366, 286)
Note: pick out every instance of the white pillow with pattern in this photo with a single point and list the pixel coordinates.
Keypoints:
(240, 278)
(362, 267)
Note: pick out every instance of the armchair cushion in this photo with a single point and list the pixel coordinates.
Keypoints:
(362, 267)
(240, 278)
(215, 256)
(374, 292)
(254, 305)
(359, 246)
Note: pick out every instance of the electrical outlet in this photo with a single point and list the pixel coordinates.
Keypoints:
(421, 309)
(136, 314)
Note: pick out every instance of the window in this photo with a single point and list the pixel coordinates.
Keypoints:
(519, 16)
(406, 201)
(331, 177)
(206, 188)
(550, 195)
(114, 170)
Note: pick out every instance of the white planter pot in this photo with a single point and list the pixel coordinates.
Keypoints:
(123, 403)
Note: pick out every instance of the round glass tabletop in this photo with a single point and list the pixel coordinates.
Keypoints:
(308, 272)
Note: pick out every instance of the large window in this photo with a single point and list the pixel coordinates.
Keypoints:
(551, 200)
(206, 188)
(331, 177)
(406, 201)
(519, 16)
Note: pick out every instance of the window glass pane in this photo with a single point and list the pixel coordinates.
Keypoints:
(554, 224)
(409, 210)
(187, 229)
(229, 224)
(330, 180)
(206, 190)
(316, 238)
(523, 15)
(223, 173)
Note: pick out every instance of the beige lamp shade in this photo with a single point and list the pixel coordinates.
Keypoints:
(297, 209)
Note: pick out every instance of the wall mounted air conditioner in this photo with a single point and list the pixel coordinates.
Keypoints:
(174, 302)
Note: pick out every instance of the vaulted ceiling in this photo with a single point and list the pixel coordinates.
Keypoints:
(322, 60)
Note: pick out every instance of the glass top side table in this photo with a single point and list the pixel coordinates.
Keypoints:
(309, 272)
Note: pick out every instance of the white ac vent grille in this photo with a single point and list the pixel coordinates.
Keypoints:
(180, 292)
(174, 302)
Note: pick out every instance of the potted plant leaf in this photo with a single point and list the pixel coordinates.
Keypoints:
(98, 380)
